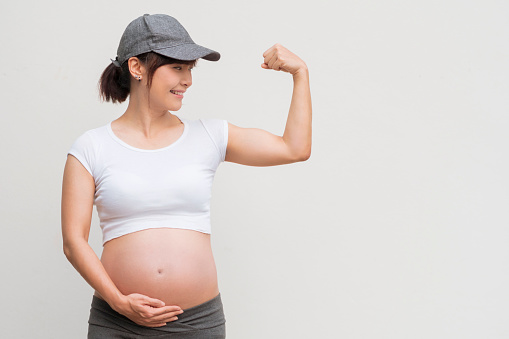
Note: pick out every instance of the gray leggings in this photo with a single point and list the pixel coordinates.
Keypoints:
(205, 321)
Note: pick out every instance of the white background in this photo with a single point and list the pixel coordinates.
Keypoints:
(396, 227)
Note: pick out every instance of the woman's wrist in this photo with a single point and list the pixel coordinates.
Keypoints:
(118, 302)
(302, 72)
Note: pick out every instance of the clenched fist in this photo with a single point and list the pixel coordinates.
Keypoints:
(281, 59)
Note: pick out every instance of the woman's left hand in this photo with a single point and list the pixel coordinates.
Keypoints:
(281, 59)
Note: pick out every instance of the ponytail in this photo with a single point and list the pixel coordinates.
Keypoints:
(114, 84)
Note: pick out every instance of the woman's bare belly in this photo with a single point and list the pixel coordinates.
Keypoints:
(173, 265)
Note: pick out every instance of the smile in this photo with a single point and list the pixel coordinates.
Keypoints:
(177, 93)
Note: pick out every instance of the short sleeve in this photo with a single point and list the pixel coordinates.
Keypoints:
(218, 131)
(224, 139)
(82, 149)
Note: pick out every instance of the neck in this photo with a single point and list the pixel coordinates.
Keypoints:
(140, 117)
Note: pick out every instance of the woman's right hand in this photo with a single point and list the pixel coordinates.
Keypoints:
(147, 311)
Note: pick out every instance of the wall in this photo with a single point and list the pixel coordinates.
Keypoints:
(396, 227)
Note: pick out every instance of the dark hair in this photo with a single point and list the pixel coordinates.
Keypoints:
(115, 82)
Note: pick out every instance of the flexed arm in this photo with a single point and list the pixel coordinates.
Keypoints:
(257, 147)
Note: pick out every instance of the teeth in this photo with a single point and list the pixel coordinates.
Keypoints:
(178, 93)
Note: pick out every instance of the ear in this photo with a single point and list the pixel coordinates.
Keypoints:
(136, 68)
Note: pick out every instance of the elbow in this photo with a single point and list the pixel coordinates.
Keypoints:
(67, 251)
(304, 155)
(69, 248)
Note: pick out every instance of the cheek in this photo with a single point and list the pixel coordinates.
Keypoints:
(158, 90)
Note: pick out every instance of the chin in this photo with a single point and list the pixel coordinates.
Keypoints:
(174, 109)
(171, 108)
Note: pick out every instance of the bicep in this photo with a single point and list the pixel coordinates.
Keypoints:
(78, 189)
(257, 147)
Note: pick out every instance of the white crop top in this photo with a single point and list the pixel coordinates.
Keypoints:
(137, 189)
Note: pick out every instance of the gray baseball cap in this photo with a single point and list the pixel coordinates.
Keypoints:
(162, 34)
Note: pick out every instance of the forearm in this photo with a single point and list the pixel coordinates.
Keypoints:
(85, 261)
(297, 134)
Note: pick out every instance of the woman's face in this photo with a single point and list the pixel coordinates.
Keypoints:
(167, 80)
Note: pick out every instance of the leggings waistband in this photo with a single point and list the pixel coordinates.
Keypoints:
(204, 316)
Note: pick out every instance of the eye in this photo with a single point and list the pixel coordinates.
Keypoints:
(180, 68)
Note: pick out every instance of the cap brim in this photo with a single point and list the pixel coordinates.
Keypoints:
(189, 52)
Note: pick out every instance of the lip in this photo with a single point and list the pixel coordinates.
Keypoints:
(178, 96)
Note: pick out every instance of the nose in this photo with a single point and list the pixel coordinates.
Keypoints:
(187, 79)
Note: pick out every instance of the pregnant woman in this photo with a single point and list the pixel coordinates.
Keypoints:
(149, 173)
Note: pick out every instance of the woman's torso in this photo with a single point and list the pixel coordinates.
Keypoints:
(141, 195)
(173, 265)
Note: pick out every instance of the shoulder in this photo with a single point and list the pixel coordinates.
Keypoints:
(215, 127)
(92, 135)
(213, 123)
(87, 145)
(217, 131)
